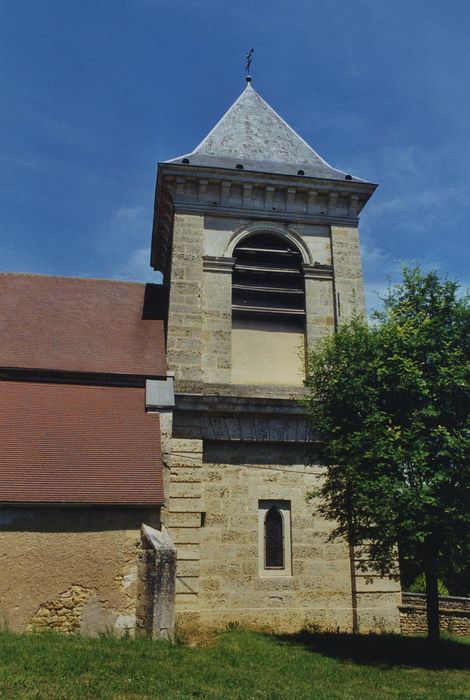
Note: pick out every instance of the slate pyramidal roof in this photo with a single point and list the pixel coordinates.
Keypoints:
(252, 134)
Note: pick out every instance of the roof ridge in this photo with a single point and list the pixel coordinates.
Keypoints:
(71, 277)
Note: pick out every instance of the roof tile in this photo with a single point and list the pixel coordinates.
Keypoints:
(78, 325)
(251, 133)
(64, 443)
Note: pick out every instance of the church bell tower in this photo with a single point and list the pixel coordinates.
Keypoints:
(256, 236)
(257, 240)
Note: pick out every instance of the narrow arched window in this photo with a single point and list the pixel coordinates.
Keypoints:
(273, 539)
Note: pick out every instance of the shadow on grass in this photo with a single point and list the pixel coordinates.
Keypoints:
(384, 649)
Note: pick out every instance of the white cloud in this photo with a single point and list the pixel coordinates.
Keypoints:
(128, 223)
(122, 245)
(380, 270)
(130, 231)
(136, 267)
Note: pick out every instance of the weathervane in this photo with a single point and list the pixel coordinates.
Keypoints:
(249, 58)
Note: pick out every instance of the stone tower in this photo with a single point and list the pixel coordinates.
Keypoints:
(257, 239)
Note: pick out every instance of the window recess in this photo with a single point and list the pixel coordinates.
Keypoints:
(274, 538)
(268, 280)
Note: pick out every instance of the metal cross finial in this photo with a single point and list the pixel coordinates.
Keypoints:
(249, 58)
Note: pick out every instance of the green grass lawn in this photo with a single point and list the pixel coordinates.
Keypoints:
(237, 664)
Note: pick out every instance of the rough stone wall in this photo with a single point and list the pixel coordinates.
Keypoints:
(215, 527)
(347, 267)
(454, 614)
(66, 612)
(70, 569)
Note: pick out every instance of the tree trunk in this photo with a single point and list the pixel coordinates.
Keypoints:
(432, 595)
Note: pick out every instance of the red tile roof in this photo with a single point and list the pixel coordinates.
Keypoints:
(64, 443)
(78, 325)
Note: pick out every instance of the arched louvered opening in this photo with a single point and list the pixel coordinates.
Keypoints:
(268, 280)
(268, 311)
(273, 539)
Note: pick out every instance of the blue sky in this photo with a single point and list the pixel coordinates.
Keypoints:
(95, 93)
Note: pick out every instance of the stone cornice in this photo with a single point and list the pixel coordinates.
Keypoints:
(243, 419)
(259, 392)
(207, 403)
(275, 179)
(282, 216)
(241, 194)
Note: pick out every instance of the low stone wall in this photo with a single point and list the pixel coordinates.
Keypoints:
(454, 614)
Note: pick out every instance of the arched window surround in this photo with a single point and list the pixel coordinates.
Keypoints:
(283, 508)
(269, 227)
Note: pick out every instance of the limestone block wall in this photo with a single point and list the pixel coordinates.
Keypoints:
(217, 325)
(320, 307)
(231, 588)
(200, 347)
(376, 597)
(73, 569)
(184, 349)
(349, 286)
(214, 520)
(184, 518)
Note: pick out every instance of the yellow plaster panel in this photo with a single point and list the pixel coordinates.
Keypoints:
(267, 354)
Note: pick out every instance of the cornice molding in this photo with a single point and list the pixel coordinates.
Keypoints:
(277, 199)
(286, 217)
(253, 177)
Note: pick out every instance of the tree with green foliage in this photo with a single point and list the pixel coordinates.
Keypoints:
(391, 402)
(419, 586)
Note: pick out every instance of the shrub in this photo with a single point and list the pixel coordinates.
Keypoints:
(419, 586)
